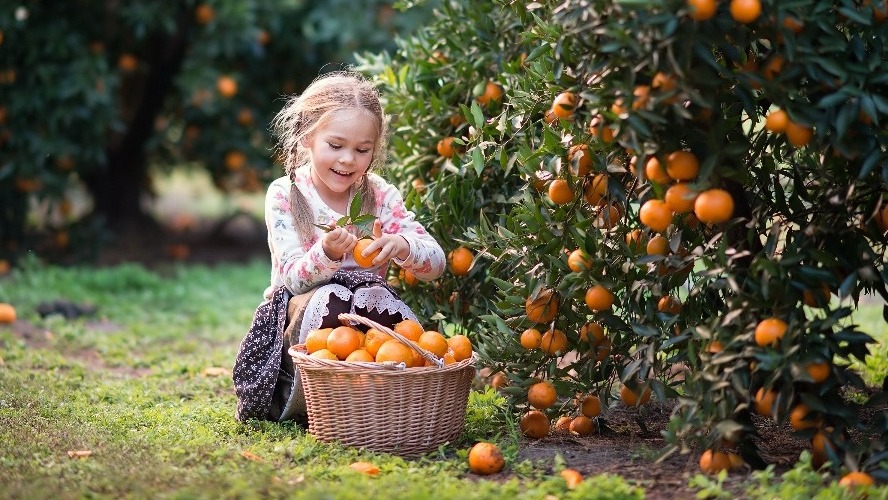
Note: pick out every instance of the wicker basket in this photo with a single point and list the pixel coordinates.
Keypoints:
(384, 407)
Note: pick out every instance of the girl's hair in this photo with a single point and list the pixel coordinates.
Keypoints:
(305, 114)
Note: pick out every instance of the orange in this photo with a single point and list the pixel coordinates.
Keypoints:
(460, 260)
(553, 342)
(434, 342)
(358, 253)
(543, 307)
(457, 120)
(410, 329)
(602, 349)
(599, 298)
(593, 330)
(701, 10)
(7, 313)
(764, 401)
(635, 240)
(655, 172)
(445, 147)
(204, 14)
(745, 11)
(263, 37)
(492, 92)
(5, 266)
(596, 190)
(396, 352)
(343, 340)
(669, 304)
(799, 418)
(317, 339)
(324, 354)
(486, 458)
(769, 331)
(226, 86)
(776, 121)
(580, 160)
(856, 479)
(245, 117)
(773, 67)
(581, 425)
(127, 62)
(564, 104)
(563, 423)
(578, 261)
(365, 468)
(680, 198)
(549, 117)
(797, 134)
(373, 339)
(235, 160)
(461, 347)
(713, 462)
(542, 395)
(793, 24)
(640, 97)
(656, 215)
(572, 477)
(407, 277)
(534, 424)
(361, 355)
(682, 165)
(590, 406)
(818, 371)
(665, 82)
(560, 192)
(599, 130)
(630, 397)
(658, 245)
(498, 380)
(714, 206)
(816, 298)
(608, 216)
(531, 338)
(821, 446)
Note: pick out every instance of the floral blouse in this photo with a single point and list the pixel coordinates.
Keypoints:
(301, 265)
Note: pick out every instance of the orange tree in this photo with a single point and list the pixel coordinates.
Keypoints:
(663, 196)
(93, 92)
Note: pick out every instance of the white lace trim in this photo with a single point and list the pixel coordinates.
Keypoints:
(378, 298)
(373, 297)
(317, 309)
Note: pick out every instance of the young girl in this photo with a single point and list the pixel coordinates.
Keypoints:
(330, 138)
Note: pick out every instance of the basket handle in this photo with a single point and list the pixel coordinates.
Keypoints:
(404, 340)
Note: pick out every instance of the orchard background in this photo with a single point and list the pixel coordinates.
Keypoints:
(675, 200)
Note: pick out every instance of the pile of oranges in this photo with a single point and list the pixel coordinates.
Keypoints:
(346, 343)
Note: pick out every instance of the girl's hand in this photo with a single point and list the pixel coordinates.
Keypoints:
(337, 242)
(390, 245)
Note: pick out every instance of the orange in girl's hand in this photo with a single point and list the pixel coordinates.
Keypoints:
(358, 253)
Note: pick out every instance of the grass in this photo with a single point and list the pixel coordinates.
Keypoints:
(145, 388)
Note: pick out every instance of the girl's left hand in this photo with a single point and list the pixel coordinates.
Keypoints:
(390, 245)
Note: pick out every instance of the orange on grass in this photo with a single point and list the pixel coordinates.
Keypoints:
(317, 339)
(701, 10)
(630, 397)
(714, 206)
(7, 313)
(656, 215)
(572, 477)
(596, 191)
(581, 425)
(769, 331)
(485, 459)
(745, 11)
(592, 333)
(669, 304)
(324, 354)
(682, 165)
(492, 92)
(797, 134)
(542, 395)
(543, 307)
(410, 329)
(590, 406)
(776, 121)
(374, 338)
(396, 352)
(658, 245)
(553, 342)
(764, 401)
(578, 261)
(531, 338)
(680, 198)
(599, 298)
(818, 371)
(560, 192)
(365, 468)
(226, 86)
(361, 355)
(358, 253)
(799, 418)
(534, 424)
(344, 340)
(564, 104)
(655, 172)
(713, 462)
(461, 347)
(856, 479)
(563, 423)
(460, 260)
(434, 342)
(580, 160)
(446, 148)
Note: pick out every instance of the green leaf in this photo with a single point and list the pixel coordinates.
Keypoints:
(354, 211)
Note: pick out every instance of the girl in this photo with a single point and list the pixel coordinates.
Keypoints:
(330, 138)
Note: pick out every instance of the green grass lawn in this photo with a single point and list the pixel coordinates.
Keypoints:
(143, 389)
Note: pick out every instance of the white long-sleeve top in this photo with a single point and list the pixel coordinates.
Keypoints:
(301, 264)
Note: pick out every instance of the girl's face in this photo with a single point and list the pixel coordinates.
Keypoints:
(341, 152)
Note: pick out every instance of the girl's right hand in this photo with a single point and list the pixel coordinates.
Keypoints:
(337, 242)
